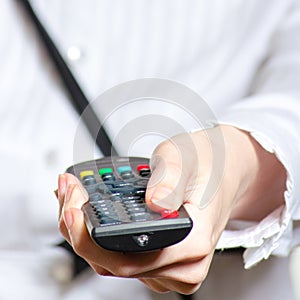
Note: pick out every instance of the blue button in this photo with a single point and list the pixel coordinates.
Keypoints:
(124, 169)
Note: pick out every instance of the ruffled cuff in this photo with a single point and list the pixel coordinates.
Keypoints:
(270, 236)
(273, 234)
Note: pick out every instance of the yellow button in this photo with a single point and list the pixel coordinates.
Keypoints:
(86, 173)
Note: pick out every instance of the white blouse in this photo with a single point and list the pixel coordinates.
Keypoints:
(242, 57)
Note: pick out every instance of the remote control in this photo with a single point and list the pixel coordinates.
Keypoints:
(116, 215)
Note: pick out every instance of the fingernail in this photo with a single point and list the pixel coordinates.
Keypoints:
(61, 186)
(161, 204)
(68, 218)
(160, 194)
(69, 192)
(163, 198)
(84, 192)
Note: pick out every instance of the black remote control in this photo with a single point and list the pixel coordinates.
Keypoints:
(116, 215)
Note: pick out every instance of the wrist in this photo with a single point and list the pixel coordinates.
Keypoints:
(261, 176)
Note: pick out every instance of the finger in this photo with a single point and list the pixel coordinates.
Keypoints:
(131, 265)
(63, 181)
(75, 197)
(100, 270)
(64, 216)
(190, 273)
(166, 187)
(67, 182)
(155, 285)
(62, 186)
(188, 250)
(75, 230)
(165, 285)
(61, 192)
(77, 233)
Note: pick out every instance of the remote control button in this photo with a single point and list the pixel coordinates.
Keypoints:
(125, 172)
(94, 204)
(105, 171)
(107, 174)
(108, 177)
(140, 217)
(109, 221)
(132, 198)
(105, 212)
(124, 169)
(143, 170)
(127, 175)
(109, 186)
(135, 210)
(95, 197)
(103, 188)
(89, 180)
(141, 182)
(169, 214)
(142, 167)
(123, 190)
(128, 202)
(120, 184)
(86, 173)
(145, 173)
(140, 191)
(115, 198)
(135, 204)
(103, 204)
(91, 189)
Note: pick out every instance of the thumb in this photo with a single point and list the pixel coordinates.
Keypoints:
(167, 184)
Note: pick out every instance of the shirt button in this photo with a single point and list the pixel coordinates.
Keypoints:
(74, 53)
(51, 157)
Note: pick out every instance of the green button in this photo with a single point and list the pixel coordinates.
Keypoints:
(105, 171)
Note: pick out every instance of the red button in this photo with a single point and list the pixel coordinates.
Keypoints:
(142, 167)
(169, 214)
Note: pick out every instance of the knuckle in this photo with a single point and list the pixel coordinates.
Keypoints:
(165, 145)
(155, 286)
(196, 279)
(189, 289)
(123, 271)
(80, 245)
(208, 247)
(200, 252)
(99, 270)
(62, 228)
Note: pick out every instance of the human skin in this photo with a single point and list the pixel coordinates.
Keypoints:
(248, 186)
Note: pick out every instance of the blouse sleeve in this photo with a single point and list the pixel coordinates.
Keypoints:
(271, 114)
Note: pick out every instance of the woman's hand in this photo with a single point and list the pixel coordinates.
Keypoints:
(215, 176)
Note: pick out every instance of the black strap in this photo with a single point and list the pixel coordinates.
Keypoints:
(80, 103)
(77, 97)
